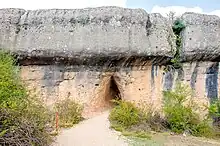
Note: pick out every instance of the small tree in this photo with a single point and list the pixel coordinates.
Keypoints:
(180, 112)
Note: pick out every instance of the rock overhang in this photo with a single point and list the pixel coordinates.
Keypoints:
(105, 36)
(90, 36)
(201, 37)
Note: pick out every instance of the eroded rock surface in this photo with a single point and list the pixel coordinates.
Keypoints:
(76, 53)
(84, 36)
(201, 37)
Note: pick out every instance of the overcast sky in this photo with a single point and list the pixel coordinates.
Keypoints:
(158, 6)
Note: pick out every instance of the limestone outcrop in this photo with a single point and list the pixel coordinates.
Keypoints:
(84, 36)
(201, 37)
(73, 53)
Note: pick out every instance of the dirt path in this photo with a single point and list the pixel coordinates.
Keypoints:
(96, 132)
(92, 132)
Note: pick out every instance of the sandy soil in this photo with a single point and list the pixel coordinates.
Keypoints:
(96, 132)
(92, 132)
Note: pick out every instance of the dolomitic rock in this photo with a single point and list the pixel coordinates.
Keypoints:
(201, 37)
(80, 34)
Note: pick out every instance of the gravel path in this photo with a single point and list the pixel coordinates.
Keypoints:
(92, 132)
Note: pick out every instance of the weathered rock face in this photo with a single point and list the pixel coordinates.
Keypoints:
(92, 86)
(84, 36)
(201, 52)
(201, 37)
(201, 76)
(93, 55)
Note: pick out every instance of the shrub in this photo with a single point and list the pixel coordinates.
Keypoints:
(156, 122)
(23, 119)
(23, 129)
(203, 129)
(214, 113)
(180, 114)
(214, 109)
(125, 114)
(136, 121)
(12, 92)
(69, 112)
(179, 110)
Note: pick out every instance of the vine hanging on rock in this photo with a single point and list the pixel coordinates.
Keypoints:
(178, 26)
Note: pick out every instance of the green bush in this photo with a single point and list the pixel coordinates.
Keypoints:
(23, 119)
(69, 112)
(214, 113)
(125, 114)
(203, 129)
(135, 121)
(12, 92)
(214, 109)
(180, 114)
(179, 110)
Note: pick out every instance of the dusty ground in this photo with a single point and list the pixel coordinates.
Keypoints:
(92, 132)
(168, 140)
(96, 132)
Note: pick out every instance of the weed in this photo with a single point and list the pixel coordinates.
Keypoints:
(134, 120)
(70, 112)
(214, 113)
(214, 109)
(125, 114)
(140, 134)
(180, 114)
(23, 119)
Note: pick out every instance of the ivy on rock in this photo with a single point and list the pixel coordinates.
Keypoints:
(178, 26)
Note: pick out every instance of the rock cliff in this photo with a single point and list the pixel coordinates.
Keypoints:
(71, 53)
(201, 37)
(84, 36)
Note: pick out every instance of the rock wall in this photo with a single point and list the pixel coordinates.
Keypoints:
(202, 77)
(91, 85)
(93, 54)
(79, 36)
(201, 39)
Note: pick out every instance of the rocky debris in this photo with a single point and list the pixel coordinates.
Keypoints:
(84, 35)
(201, 37)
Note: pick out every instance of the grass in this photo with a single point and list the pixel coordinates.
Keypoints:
(179, 111)
(69, 111)
(132, 121)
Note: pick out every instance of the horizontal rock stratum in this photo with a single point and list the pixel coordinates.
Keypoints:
(91, 34)
(85, 33)
(201, 37)
(93, 55)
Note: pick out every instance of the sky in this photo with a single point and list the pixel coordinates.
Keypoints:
(152, 6)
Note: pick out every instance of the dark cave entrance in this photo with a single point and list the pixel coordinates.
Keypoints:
(108, 90)
(113, 92)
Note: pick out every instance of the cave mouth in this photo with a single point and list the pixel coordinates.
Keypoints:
(113, 92)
